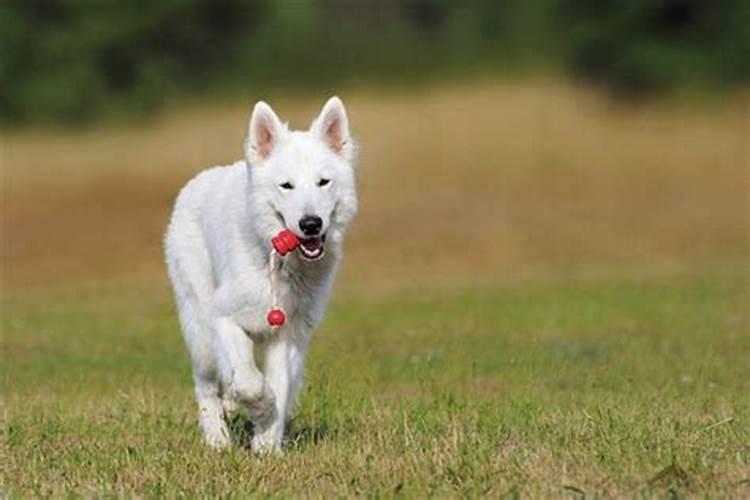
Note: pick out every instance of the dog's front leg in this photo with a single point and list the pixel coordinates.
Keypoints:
(240, 376)
(279, 378)
(297, 353)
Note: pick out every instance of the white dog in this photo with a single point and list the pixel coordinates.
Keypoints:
(217, 250)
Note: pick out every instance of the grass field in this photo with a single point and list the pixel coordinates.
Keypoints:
(579, 326)
(609, 388)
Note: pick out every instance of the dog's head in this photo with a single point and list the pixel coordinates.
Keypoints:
(303, 180)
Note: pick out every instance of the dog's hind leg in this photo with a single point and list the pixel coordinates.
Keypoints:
(211, 413)
(208, 394)
(189, 271)
(208, 390)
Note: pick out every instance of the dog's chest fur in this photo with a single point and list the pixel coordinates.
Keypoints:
(302, 291)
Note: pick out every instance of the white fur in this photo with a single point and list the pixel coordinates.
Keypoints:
(217, 248)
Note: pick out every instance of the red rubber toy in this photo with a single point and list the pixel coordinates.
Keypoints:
(285, 242)
(276, 317)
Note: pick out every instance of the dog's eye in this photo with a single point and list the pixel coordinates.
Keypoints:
(286, 185)
(324, 182)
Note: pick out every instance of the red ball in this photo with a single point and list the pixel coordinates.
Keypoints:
(276, 317)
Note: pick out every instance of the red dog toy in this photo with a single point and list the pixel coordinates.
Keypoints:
(283, 243)
(276, 317)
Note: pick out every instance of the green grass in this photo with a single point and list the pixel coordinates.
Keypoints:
(638, 387)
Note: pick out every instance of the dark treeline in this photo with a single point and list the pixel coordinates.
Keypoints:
(75, 60)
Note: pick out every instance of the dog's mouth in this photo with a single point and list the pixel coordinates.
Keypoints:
(312, 248)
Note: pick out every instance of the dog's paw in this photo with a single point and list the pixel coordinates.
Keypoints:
(258, 401)
(262, 408)
(217, 437)
(267, 442)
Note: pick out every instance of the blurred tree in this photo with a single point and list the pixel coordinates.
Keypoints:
(75, 60)
(645, 45)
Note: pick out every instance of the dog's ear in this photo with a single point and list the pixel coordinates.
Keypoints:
(332, 126)
(264, 133)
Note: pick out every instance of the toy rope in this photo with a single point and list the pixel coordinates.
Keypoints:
(281, 244)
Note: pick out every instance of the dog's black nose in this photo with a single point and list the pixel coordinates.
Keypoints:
(310, 225)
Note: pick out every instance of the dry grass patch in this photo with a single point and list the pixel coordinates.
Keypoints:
(458, 184)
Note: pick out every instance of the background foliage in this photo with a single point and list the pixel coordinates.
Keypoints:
(75, 60)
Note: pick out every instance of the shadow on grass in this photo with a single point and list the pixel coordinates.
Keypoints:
(301, 436)
(241, 429)
(298, 436)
